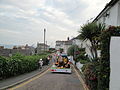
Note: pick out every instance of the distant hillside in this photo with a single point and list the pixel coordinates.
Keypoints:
(11, 46)
(7, 46)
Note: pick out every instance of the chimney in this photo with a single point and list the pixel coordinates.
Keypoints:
(68, 38)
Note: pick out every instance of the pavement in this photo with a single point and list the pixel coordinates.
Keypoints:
(81, 77)
(6, 83)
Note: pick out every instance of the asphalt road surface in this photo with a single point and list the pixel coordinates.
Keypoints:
(52, 81)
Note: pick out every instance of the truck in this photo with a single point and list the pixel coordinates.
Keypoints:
(61, 65)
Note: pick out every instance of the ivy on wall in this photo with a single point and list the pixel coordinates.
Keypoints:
(104, 67)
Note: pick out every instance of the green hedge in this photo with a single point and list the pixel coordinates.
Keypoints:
(18, 64)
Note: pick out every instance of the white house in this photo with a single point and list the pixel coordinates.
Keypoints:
(83, 44)
(78, 42)
(63, 44)
(110, 15)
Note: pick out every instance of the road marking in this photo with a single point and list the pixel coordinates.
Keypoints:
(81, 80)
(32, 79)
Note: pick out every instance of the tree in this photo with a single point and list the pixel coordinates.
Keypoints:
(72, 51)
(82, 57)
(91, 32)
(61, 50)
(52, 50)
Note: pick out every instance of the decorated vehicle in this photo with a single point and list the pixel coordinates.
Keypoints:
(62, 64)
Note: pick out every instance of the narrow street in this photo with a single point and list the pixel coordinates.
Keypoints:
(52, 81)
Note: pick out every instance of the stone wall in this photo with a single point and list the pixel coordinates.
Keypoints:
(9, 52)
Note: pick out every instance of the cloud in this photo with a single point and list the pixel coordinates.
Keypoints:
(94, 8)
(61, 18)
(4, 31)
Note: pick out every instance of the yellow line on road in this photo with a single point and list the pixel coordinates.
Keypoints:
(81, 80)
(32, 79)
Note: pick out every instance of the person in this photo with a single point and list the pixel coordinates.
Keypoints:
(67, 65)
(40, 64)
(48, 60)
(57, 63)
(60, 60)
(65, 60)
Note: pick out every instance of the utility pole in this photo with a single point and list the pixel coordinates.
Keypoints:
(46, 46)
(44, 38)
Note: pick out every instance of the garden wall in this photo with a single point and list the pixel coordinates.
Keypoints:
(78, 64)
(115, 63)
(8, 52)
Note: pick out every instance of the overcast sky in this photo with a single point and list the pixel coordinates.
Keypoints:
(22, 21)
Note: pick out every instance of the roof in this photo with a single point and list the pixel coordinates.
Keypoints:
(42, 44)
(110, 4)
(69, 42)
(77, 37)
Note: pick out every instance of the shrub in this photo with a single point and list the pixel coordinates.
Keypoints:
(90, 74)
(18, 64)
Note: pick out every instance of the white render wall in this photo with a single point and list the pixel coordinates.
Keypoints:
(113, 18)
(78, 42)
(118, 14)
(58, 47)
(115, 63)
(65, 47)
(83, 44)
(87, 45)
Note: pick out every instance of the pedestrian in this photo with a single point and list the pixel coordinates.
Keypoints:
(60, 60)
(40, 64)
(48, 60)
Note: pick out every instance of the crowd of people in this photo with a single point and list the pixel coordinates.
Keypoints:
(59, 61)
(45, 61)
